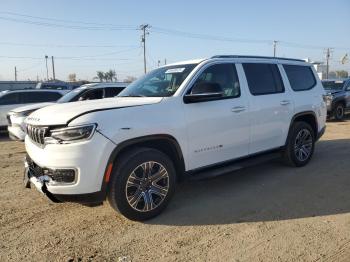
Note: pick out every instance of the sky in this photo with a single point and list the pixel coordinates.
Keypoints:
(89, 36)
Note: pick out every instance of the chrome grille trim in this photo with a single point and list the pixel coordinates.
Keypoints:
(37, 133)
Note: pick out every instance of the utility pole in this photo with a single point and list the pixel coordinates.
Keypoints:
(47, 70)
(328, 56)
(164, 61)
(15, 73)
(53, 68)
(143, 41)
(274, 47)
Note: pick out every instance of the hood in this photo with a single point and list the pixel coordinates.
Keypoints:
(31, 107)
(61, 114)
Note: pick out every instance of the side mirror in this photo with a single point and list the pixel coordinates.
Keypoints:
(205, 91)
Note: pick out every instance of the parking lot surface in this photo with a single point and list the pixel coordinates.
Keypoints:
(268, 212)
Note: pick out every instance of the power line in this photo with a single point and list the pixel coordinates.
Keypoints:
(64, 46)
(66, 21)
(77, 27)
(205, 36)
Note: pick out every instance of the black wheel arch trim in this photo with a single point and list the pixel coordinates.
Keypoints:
(134, 142)
(304, 113)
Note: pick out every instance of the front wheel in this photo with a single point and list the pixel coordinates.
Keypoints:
(142, 183)
(339, 112)
(300, 145)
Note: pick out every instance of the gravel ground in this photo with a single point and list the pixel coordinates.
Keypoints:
(264, 213)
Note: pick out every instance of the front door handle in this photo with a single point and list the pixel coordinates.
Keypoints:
(238, 109)
(285, 102)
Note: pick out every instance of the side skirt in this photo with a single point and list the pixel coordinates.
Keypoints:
(233, 165)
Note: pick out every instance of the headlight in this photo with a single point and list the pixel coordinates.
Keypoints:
(70, 134)
(328, 98)
(23, 113)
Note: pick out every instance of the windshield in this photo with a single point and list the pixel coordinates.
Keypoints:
(70, 96)
(159, 82)
(336, 85)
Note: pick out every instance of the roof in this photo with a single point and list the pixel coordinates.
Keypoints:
(186, 62)
(258, 57)
(103, 85)
(197, 61)
(34, 90)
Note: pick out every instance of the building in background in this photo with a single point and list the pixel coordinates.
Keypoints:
(320, 68)
(13, 85)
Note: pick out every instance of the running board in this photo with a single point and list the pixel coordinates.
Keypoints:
(235, 165)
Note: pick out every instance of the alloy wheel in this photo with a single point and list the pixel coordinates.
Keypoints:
(147, 186)
(303, 145)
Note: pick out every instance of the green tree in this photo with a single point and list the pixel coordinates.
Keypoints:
(111, 75)
(100, 75)
(342, 74)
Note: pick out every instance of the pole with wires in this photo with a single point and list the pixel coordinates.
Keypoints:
(274, 47)
(15, 73)
(145, 32)
(328, 56)
(47, 70)
(53, 68)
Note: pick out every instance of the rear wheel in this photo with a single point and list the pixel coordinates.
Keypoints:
(300, 145)
(339, 112)
(142, 183)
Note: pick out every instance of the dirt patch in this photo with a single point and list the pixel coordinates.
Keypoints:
(265, 213)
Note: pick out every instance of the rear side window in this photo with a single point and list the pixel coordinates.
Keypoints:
(263, 79)
(38, 97)
(301, 78)
(112, 91)
(92, 95)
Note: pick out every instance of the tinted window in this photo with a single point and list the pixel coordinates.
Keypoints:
(225, 75)
(10, 99)
(91, 95)
(112, 91)
(300, 77)
(263, 78)
(38, 97)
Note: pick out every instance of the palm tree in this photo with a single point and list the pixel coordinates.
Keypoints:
(111, 75)
(100, 75)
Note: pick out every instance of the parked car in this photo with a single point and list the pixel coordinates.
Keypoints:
(195, 118)
(337, 98)
(54, 85)
(16, 117)
(12, 99)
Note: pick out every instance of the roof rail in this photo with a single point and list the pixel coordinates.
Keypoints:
(264, 57)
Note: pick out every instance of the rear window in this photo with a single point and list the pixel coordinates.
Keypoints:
(113, 91)
(37, 97)
(263, 79)
(300, 78)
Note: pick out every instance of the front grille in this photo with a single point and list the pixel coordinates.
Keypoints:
(8, 120)
(37, 134)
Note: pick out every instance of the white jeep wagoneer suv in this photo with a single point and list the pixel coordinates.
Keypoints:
(194, 118)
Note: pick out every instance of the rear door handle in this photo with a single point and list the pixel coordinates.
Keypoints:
(238, 109)
(285, 102)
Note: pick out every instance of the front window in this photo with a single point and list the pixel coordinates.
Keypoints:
(71, 96)
(160, 82)
(333, 85)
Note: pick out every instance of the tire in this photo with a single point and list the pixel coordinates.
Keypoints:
(300, 145)
(142, 183)
(339, 112)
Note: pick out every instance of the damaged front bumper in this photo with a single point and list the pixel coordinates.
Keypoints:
(32, 177)
(35, 175)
